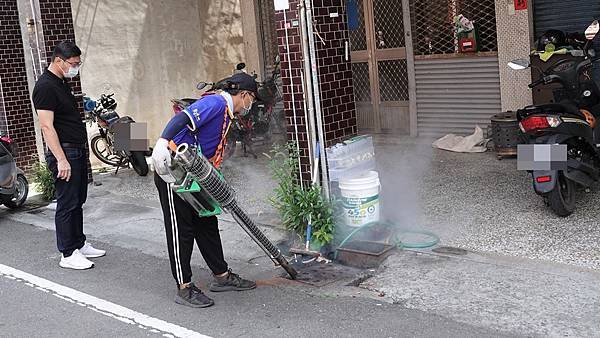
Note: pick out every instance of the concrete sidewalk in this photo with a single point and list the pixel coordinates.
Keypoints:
(124, 210)
(498, 292)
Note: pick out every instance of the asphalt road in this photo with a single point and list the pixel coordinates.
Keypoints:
(140, 286)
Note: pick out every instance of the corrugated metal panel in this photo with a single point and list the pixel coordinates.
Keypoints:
(454, 95)
(567, 15)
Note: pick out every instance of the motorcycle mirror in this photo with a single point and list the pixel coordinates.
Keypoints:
(519, 64)
(592, 30)
(201, 85)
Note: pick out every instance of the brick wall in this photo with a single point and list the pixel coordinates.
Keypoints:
(57, 25)
(15, 90)
(335, 75)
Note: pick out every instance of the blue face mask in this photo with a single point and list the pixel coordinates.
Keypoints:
(73, 71)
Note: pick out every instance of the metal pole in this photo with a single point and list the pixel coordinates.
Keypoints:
(308, 98)
(37, 39)
(307, 116)
(317, 97)
(287, 50)
(410, 64)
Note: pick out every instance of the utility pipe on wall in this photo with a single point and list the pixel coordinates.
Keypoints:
(306, 80)
(34, 6)
(317, 96)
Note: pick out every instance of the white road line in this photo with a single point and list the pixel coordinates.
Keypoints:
(98, 305)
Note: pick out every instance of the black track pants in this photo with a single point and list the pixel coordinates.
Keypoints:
(183, 226)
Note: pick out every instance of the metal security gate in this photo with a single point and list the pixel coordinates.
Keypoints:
(380, 67)
(454, 91)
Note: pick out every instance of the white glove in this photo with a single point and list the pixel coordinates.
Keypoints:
(161, 157)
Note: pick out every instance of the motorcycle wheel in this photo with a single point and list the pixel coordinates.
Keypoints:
(138, 162)
(562, 199)
(101, 150)
(17, 200)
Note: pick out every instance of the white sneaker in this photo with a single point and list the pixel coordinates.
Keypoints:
(76, 261)
(90, 252)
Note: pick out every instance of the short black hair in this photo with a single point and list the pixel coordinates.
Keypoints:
(232, 92)
(65, 50)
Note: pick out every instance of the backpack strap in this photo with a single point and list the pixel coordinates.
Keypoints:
(217, 158)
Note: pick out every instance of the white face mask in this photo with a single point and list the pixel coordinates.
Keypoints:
(246, 110)
(73, 71)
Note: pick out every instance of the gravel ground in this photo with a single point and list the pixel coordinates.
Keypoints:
(477, 202)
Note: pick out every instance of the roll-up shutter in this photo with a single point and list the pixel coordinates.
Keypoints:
(456, 94)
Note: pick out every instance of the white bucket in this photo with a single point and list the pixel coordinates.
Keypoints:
(360, 198)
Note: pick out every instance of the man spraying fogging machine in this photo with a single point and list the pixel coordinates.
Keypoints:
(192, 191)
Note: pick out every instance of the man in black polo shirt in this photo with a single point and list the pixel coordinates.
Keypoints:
(66, 140)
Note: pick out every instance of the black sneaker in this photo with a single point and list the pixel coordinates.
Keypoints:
(193, 297)
(231, 282)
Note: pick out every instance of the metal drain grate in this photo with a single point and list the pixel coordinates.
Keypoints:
(321, 274)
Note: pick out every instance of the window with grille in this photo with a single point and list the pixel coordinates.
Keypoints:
(433, 24)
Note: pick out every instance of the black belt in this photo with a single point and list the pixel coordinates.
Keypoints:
(74, 145)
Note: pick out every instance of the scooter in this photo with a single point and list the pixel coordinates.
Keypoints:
(13, 184)
(104, 114)
(566, 130)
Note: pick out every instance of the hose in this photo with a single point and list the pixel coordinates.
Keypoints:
(396, 241)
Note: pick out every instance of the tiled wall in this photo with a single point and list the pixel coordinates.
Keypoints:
(335, 75)
(15, 90)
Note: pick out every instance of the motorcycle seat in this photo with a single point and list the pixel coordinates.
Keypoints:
(121, 120)
(109, 116)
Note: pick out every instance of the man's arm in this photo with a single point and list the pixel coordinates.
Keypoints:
(175, 125)
(161, 155)
(51, 138)
(193, 117)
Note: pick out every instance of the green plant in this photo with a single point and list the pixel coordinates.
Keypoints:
(44, 179)
(295, 204)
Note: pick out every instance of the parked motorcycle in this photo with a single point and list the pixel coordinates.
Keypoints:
(569, 125)
(103, 113)
(13, 184)
(258, 123)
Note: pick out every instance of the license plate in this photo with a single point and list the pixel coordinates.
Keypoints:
(542, 157)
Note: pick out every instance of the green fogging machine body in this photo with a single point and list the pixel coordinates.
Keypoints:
(203, 187)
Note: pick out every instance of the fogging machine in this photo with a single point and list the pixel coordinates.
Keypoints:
(203, 187)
